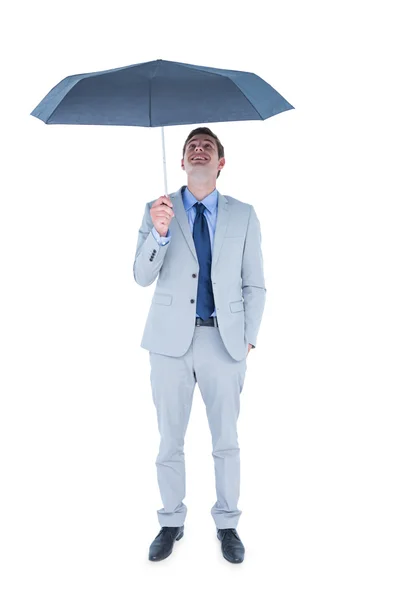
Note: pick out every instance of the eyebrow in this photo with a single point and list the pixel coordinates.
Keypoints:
(196, 139)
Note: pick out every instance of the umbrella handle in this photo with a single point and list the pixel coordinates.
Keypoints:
(165, 165)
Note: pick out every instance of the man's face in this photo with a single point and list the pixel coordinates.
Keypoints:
(201, 157)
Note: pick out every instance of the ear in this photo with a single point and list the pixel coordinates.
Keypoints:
(182, 164)
(221, 164)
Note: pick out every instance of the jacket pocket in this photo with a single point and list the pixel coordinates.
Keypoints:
(236, 306)
(165, 299)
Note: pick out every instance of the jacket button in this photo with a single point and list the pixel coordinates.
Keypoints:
(194, 275)
(192, 301)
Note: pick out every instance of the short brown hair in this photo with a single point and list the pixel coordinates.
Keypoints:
(206, 131)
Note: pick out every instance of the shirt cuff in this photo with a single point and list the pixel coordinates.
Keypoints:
(161, 240)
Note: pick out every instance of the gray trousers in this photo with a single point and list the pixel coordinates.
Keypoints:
(220, 379)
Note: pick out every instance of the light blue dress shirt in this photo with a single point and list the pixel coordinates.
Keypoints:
(189, 201)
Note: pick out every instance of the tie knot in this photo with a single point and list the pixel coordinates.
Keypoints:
(200, 207)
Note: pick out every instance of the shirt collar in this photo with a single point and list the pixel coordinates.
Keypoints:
(189, 200)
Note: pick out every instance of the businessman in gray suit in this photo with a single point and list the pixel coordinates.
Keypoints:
(205, 314)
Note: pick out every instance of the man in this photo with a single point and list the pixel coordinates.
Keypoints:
(205, 249)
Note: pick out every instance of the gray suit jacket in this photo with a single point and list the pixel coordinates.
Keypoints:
(236, 273)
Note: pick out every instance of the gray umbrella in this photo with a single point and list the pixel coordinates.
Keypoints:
(160, 93)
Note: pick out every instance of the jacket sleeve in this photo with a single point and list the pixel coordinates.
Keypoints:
(253, 283)
(149, 255)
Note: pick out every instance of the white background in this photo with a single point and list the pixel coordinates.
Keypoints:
(319, 427)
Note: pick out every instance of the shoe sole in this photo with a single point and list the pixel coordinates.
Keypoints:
(180, 536)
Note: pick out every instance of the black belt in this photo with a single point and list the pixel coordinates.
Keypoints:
(211, 322)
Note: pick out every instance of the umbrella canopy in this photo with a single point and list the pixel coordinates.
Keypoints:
(160, 93)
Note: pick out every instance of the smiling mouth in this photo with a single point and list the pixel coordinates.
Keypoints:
(199, 159)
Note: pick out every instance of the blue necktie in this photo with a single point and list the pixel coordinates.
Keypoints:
(201, 236)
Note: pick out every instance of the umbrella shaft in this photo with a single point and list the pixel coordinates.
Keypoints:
(164, 163)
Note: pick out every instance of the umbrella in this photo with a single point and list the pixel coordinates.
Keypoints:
(160, 93)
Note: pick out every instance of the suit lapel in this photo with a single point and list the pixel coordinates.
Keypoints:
(222, 223)
(220, 229)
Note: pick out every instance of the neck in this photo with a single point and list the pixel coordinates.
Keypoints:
(201, 189)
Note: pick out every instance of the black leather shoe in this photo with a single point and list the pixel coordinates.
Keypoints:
(231, 545)
(163, 544)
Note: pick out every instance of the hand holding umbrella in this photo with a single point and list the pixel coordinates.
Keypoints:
(161, 214)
